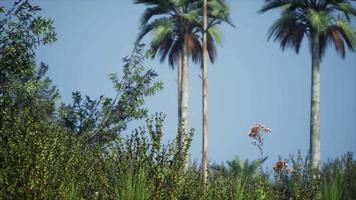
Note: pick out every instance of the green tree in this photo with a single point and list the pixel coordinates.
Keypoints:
(22, 84)
(24, 88)
(323, 22)
(27, 100)
(46, 153)
(174, 25)
(104, 119)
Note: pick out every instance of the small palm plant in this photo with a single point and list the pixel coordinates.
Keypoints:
(237, 168)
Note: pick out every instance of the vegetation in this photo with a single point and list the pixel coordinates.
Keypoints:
(82, 150)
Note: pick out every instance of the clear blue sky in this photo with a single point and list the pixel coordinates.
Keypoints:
(252, 79)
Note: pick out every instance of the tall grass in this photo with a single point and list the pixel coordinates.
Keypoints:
(240, 190)
(332, 189)
(71, 193)
(133, 187)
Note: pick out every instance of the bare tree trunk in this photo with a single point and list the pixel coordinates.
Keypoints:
(185, 96)
(315, 105)
(205, 97)
(179, 83)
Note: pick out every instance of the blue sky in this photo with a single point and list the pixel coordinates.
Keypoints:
(251, 81)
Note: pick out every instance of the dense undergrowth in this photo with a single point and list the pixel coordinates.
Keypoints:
(83, 151)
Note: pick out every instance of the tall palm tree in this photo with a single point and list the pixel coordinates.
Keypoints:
(176, 27)
(204, 67)
(323, 22)
(175, 37)
(214, 12)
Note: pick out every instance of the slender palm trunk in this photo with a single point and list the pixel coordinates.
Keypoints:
(205, 97)
(315, 105)
(184, 96)
(179, 82)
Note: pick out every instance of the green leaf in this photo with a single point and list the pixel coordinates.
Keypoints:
(319, 20)
(215, 33)
(347, 30)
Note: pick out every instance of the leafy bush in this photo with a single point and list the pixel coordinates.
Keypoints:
(297, 182)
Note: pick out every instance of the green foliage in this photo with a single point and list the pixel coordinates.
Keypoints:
(318, 20)
(240, 190)
(82, 150)
(21, 85)
(335, 181)
(297, 182)
(339, 177)
(27, 105)
(175, 26)
(145, 159)
(331, 190)
(21, 31)
(104, 119)
(237, 168)
(329, 20)
(133, 187)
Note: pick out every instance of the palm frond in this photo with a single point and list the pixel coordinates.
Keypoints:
(175, 50)
(191, 16)
(164, 21)
(273, 4)
(194, 47)
(341, 6)
(151, 2)
(162, 47)
(337, 40)
(153, 11)
(161, 30)
(215, 34)
(319, 20)
(211, 47)
(348, 34)
(218, 11)
(289, 31)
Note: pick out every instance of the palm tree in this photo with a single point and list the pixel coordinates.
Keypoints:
(204, 67)
(175, 37)
(176, 25)
(323, 22)
(214, 12)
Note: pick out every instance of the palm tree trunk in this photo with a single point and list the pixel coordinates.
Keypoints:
(185, 96)
(179, 82)
(205, 97)
(315, 105)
